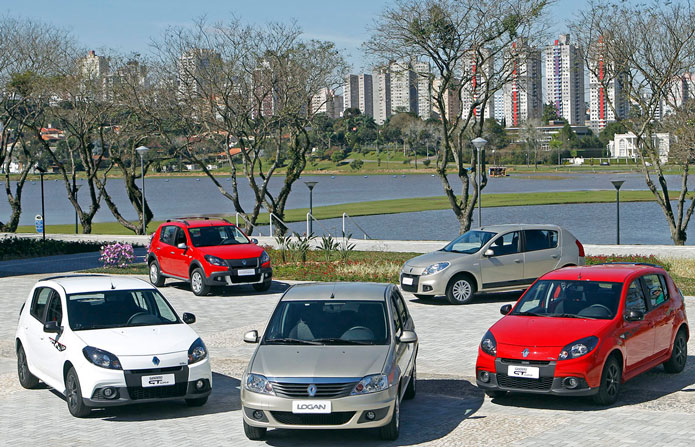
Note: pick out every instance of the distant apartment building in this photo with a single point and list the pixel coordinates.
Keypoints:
(424, 93)
(564, 80)
(452, 100)
(403, 88)
(522, 94)
(358, 93)
(382, 94)
(681, 90)
(326, 101)
(196, 71)
(608, 101)
(131, 74)
(476, 72)
(624, 145)
(264, 97)
(94, 66)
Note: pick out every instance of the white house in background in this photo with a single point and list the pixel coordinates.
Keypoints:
(624, 145)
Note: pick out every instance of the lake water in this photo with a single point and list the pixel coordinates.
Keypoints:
(593, 223)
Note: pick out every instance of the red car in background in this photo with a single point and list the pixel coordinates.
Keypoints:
(583, 331)
(207, 252)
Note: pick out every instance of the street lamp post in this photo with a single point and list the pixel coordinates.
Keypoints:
(617, 184)
(142, 150)
(479, 144)
(42, 171)
(311, 185)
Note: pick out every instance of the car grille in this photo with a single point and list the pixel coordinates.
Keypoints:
(337, 418)
(243, 263)
(157, 392)
(323, 390)
(519, 383)
(525, 362)
(411, 288)
(170, 369)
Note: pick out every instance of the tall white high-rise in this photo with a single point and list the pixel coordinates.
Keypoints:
(326, 101)
(608, 101)
(94, 66)
(564, 80)
(681, 90)
(424, 94)
(358, 93)
(475, 76)
(351, 92)
(381, 77)
(197, 70)
(451, 99)
(403, 88)
(522, 94)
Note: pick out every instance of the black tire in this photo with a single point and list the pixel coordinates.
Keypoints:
(198, 402)
(156, 277)
(390, 431)
(423, 297)
(411, 390)
(254, 433)
(495, 394)
(679, 354)
(198, 285)
(26, 378)
(460, 289)
(73, 395)
(610, 382)
(263, 286)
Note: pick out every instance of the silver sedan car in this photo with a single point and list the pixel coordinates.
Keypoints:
(333, 356)
(491, 258)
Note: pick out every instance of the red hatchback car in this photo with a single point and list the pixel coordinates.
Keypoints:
(582, 331)
(207, 252)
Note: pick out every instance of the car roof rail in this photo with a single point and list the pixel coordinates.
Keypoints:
(187, 218)
(633, 263)
(51, 278)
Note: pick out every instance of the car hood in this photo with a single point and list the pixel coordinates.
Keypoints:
(424, 261)
(239, 251)
(526, 331)
(141, 340)
(319, 361)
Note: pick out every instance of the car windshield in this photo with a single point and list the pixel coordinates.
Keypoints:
(469, 242)
(328, 323)
(570, 299)
(217, 235)
(118, 308)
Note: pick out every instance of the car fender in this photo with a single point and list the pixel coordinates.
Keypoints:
(196, 264)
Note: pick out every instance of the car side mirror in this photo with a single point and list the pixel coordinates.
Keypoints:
(182, 246)
(504, 310)
(634, 315)
(51, 327)
(489, 253)
(251, 337)
(254, 240)
(408, 337)
(188, 318)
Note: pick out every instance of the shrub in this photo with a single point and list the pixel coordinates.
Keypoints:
(356, 164)
(426, 162)
(117, 255)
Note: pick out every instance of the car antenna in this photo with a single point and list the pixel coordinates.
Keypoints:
(112, 286)
(333, 292)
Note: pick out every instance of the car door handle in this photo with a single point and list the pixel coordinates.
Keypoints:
(518, 261)
(171, 252)
(158, 248)
(554, 256)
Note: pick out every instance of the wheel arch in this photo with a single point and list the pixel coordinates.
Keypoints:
(66, 367)
(152, 257)
(618, 354)
(467, 274)
(194, 265)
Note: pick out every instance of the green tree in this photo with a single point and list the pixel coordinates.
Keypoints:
(610, 130)
(549, 113)
(356, 164)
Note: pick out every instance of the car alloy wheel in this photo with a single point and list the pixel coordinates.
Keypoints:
(73, 395)
(612, 380)
(155, 275)
(26, 378)
(460, 290)
(679, 354)
(610, 383)
(198, 283)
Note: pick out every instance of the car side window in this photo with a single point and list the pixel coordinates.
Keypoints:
(400, 306)
(168, 234)
(507, 244)
(398, 327)
(656, 290)
(55, 310)
(635, 298)
(540, 239)
(39, 302)
(180, 236)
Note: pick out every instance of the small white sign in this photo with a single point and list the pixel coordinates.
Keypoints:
(311, 406)
(407, 281)
(246, 272)
(159, 380)
(527, 372)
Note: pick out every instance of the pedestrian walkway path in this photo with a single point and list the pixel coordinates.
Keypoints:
(56, 264)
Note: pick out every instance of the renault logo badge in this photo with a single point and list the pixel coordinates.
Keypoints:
(525, 352)
(155, 361)
(243, 262)
(311, 390)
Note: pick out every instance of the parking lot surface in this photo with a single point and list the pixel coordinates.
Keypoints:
(655, 408)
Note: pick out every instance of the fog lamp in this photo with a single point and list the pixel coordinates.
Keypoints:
(570, 383)
(200, 384)
(370, 415)
(258, 414)
(484, 376)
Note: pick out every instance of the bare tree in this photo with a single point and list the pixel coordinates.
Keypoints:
(646, 48)
(466, 42)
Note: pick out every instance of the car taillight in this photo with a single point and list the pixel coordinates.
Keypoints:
(580, 247)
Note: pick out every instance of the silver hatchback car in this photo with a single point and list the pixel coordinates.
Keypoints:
(334, 355)
(491, 258)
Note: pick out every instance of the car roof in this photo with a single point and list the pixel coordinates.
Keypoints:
(343, 291)
(602, 272)
(196, 222)
(511, 227)
(94, 283)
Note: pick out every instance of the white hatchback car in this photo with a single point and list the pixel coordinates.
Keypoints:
(105, 341)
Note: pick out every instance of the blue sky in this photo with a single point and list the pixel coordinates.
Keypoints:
(128, 25)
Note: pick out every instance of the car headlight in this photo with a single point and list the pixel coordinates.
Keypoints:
(197, 351)
(488, 344)
(578, 348)
(214, 260)
(101, 358)
(258, 384)
(371, 384)
(434, 268)
(265, 257)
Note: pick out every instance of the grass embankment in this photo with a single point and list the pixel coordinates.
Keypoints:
(394, 206)
(378, 266)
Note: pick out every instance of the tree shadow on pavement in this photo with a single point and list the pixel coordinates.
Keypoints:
(231, 291)
(480, 298)
(442, 403)
(646, 388)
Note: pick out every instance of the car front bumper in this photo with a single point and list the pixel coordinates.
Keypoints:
(434, 284)
(230, 277)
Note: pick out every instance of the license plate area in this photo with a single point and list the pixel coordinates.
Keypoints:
(525, 372)
(246, 272)
(158, 380)
(408, 281)
(311, 406)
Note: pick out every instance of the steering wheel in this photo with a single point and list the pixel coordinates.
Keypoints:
(362, 332)
(595, 306)
(135, 315)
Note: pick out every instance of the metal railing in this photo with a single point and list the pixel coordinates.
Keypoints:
(243, 217)
(272, 216)
(366, 236)
(310, 217)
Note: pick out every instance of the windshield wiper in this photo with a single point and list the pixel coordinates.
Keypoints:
(530, 314)
(571, 316)
(291, 341)
(343, 341)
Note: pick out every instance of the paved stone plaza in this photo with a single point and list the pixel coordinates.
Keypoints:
(656, 408)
